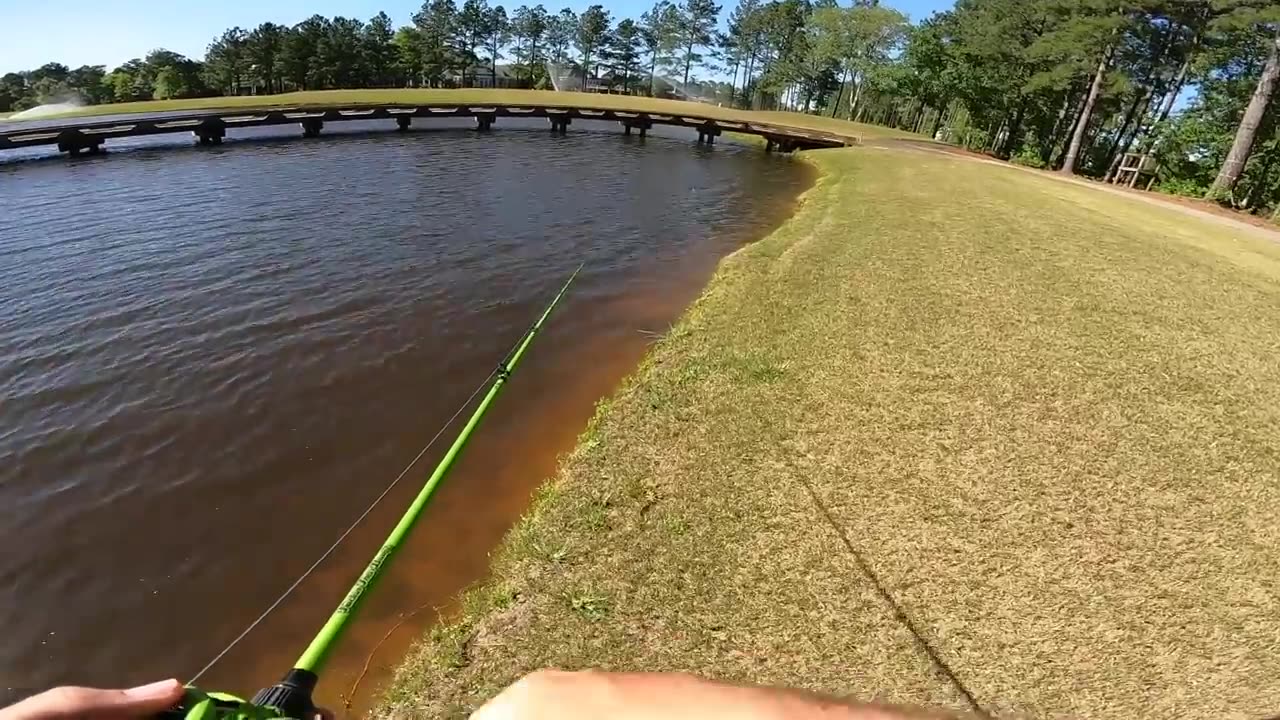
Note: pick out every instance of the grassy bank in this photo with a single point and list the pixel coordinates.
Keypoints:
(953, 429)
(480, 96)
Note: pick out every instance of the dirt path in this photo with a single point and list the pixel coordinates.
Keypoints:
(1271, 233)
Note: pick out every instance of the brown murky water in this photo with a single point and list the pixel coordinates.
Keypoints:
(212, 360)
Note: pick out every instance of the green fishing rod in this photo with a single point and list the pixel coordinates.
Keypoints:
(291, 697)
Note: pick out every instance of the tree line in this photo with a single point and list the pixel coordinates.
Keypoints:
(447, 45)
(1078, 85)
(1073, 85)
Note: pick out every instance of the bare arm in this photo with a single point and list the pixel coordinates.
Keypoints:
(652, 696)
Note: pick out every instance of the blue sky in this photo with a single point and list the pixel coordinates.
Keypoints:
(94, 32)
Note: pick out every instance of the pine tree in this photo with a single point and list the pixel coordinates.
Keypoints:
(593, 27)
(696, 20)
(623, 51)
(561, 29)
(529, 25)
(379, 53)
(470, 30)
(497, 33)
(263, 48)
(1263, 19)
(658, 31)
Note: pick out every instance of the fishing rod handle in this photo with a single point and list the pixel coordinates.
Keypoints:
(197, 704)
(288, 699)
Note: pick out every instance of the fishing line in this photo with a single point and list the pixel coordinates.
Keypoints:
(467, 403)
(297, 685)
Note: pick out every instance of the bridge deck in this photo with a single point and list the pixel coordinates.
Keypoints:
(74, 135)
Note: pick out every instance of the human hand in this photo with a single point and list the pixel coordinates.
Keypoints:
(78, 703)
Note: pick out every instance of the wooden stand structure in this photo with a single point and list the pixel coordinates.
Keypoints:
(1133, 166)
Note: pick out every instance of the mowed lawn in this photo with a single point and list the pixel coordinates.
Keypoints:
(1037, 423)
(481, 96)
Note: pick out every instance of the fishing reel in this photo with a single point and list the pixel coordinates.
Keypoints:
(290, 698)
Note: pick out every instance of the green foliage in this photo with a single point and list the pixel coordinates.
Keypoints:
(590, 606)
(694, 21)
(593, 27)
(379, 52)
(529, 26)
(227, 61)
(300, 47)
(1028, 156)
(262, 49)
(162, 75)
(561, 29)
(190, 75)
(622, 53)
(438, 26)
(54, 82)
(340, 61)
(407, 46)
(471, 27)
(497, 33)
(14, 92)
(658, 32)
(1187, 187)
(860, 41)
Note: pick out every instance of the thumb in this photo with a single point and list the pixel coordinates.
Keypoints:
(94, 704)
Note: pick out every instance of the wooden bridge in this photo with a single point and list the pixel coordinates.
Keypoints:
(87, 135)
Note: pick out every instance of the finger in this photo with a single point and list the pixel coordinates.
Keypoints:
(64, 703)
(499, 708)
(540, 695)
(509, 704)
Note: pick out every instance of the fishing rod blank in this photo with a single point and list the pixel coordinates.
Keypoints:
(291, 697)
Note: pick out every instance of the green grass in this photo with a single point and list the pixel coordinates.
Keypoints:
(480, 97)
(1048, 418)
(837, 125)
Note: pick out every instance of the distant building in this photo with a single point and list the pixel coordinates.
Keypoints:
(569, 77)
(482, 75)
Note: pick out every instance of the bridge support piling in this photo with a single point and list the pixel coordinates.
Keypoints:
(780, 144)
(641, 124)
(484, 122)
(560, 124)
(210, 132)
(707, 134)
(73, 142)
(403, 122)
(311, 127)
